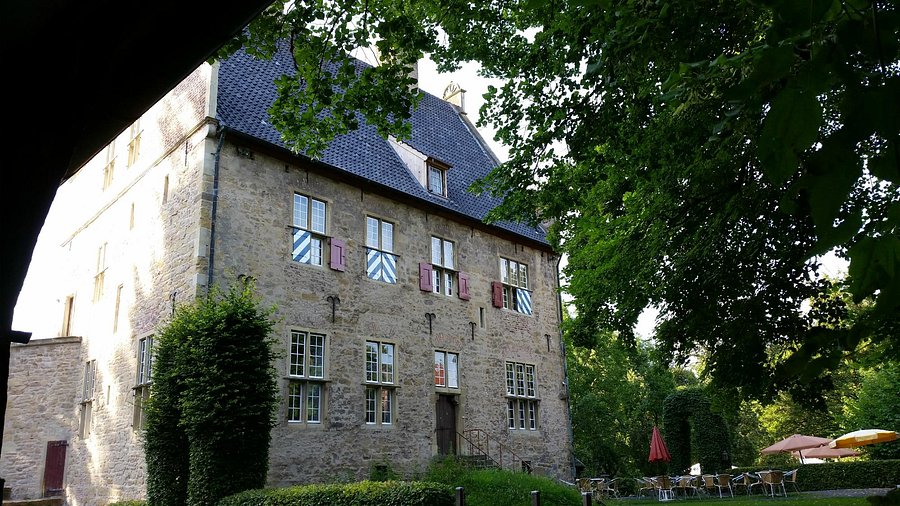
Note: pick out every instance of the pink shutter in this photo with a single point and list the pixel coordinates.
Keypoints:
(338, 255)
(464, 286)
(425, 271)
(497, 293)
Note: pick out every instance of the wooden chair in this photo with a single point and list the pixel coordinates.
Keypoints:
(723, 482)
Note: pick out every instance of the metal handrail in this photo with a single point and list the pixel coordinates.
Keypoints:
(480, 443)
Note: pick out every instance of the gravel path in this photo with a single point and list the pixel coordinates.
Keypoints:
(851, 492)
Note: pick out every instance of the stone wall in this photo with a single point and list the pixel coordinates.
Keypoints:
(149, 220)
(41, 407)
(253, 237)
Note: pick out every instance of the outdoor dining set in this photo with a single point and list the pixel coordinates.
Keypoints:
(666, 488)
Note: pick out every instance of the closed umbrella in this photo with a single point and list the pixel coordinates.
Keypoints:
(797, 442)
(658, 450)
(863, 437)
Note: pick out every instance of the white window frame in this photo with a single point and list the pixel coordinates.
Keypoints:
(436, 176)
(143, 380)
(100, 273)
(109, 167)
(134, 143)
(305, 216)
(87, 398)
(513, 275)
(446, 375)
(380, 383)
(381, 236)
(443, 266)
(522, 402)
(306, 373)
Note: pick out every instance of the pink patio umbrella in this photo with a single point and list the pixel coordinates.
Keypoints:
(797, 442)
(824, 452)
(658, 450)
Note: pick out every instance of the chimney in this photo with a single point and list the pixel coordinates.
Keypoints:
(456, 96)
(414, 75)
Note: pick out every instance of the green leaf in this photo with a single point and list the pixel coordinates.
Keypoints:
(791, 126)
(829, 237)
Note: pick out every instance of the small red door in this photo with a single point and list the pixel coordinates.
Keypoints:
(54, 468)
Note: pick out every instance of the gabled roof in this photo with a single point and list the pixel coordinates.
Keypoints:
(246, 90)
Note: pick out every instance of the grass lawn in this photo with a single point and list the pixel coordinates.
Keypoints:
(795, 500)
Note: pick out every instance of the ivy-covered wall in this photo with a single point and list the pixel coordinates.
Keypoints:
(694, 433)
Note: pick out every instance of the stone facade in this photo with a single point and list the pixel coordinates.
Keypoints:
(156, 220)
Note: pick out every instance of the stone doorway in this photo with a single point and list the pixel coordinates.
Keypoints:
(445, 411)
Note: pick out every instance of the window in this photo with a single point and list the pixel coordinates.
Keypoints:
(437, 177)
(443, 266)
(309, 230)
(446, 369)
(381, 262)
(87, 398)
(142, 382)
(514, 280)
(110, 165)
(131, 218)
(306, 372)
(116, 311)
(521, 396)
(101, 270)
(165, 193)
(379, 409)
(134, 144)
(68, 312)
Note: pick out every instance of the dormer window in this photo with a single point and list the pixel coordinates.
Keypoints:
(437, 177)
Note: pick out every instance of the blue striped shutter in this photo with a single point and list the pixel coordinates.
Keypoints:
(523, 301)
(302, 251)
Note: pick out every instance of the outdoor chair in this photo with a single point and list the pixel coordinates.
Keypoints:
(664, 488)
(584, 485)
(644, 485)
(773, 480)
(685, 484)
(791, 477)
(708, 483)
(746, 480)
(723, 482)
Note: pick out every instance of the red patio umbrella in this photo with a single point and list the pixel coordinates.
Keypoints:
(658, 450)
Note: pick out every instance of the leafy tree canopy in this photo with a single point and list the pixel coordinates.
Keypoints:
(696, 156)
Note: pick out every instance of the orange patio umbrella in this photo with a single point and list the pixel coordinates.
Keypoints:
(658, 450)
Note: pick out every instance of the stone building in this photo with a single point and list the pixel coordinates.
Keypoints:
(410, 328)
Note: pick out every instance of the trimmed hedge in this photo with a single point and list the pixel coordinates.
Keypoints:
(128, 503)
(841, 475)
(364, 493)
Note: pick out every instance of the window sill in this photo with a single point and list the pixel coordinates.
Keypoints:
(304, 378)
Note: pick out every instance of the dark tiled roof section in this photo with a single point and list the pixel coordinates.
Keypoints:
(246, 91)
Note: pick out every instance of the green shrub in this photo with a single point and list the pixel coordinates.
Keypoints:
(495, 487)
(213, 403)
(383, 472)
(364, 493)
(840, 475)
(128, 503)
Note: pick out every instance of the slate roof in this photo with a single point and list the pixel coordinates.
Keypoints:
(246, 91)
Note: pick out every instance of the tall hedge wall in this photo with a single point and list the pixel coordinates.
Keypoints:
(841, 475)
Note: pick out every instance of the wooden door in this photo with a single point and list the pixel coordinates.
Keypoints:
(446, 424)
(54, 467)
